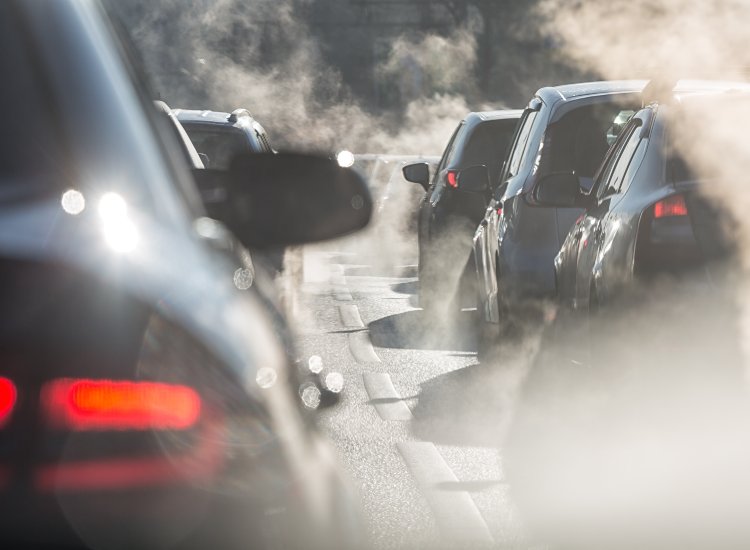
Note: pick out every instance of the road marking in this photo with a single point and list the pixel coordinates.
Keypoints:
(361, 347)
(338, 283)
(457, 515)
(342, 295)
(350, 316)
(386, 399)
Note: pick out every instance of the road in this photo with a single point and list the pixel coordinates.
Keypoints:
(420, 425)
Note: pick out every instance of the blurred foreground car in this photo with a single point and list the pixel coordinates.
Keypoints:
(455, 202)
(146, 399)
(563, 129)
(192, 156)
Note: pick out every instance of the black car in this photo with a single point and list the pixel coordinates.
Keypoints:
(146, 396)
(453, 205)
(564, 129)
(645, 215)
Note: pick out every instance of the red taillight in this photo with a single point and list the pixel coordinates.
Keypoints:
(452, 178)
(499, 209)
(8, 397)
(671, 206)
(119, 405)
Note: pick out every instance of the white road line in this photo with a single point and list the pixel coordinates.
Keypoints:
(350, 316)
(342, 295)
(380, 387)
(361, 347)
(457, 515)
(338, 283)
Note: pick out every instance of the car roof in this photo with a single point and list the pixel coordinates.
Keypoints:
(568, 92)
(239, 117)
(505, 114)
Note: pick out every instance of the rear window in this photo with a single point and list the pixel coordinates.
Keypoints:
(579, 141)
(488, 145)
(220, 145)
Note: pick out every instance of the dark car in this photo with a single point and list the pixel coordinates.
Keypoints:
(146, 398)
(452, 206)
(563, 129)
(645, 215)
(220, 135)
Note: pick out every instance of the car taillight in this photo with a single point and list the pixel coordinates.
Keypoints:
(670, 207)
(119, 405)
(8, 395)
(452, 178)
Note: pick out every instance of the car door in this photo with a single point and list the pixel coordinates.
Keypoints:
(601, 223)
(432, 196)
(488, 233)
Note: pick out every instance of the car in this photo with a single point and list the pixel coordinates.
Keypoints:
(220, 135)
(645, 215)
(639, 387)
(451, 209)
(147, 399)
(563, 129)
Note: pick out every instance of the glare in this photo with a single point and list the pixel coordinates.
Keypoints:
(315, 364)
(112, 206)
(73, 202)
(345, 159)
(120, 233)
(335, 382)
(266, 377)
(310, 395)
(243, 278)
(358, 202)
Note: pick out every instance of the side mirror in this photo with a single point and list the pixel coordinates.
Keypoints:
(286, 199)
(474, 179)
(560, 189)
(419, 172)
(204, 159)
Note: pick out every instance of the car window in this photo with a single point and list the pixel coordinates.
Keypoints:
(578, 141)
(519, 147)
(618, 124)
(488, 145)
(633, 165)
(611, 174)
(449, 153)
(220, 145)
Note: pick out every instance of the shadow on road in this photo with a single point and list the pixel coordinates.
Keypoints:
(409, 287)
(413, 330)
(473, 405)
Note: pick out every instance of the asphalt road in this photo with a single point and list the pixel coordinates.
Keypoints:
(421, 422)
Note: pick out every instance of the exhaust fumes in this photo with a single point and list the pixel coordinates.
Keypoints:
(632, 429)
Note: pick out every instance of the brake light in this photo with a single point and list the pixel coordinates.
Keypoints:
(452, 178)
(500, 209)
(119, 405)
(8, 395)
(671, 206)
